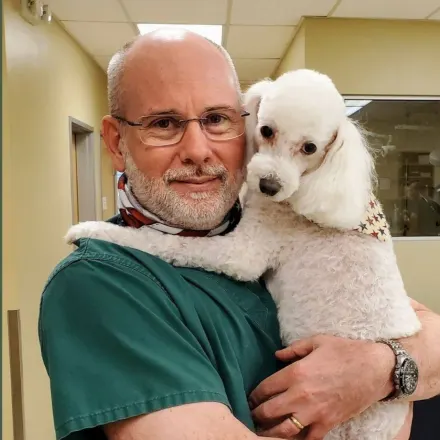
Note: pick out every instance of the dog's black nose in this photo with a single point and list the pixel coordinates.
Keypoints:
(269, 186)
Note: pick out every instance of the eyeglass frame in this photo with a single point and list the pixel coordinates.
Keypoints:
(184, 122)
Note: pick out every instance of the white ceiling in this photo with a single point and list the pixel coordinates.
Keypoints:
(256, 32)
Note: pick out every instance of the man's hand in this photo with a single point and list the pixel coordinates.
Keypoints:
(334, 380)
(405, 432)
(425, 349)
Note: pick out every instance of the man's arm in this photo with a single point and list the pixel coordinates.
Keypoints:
(425, 348)
(216, 254)
(197, 421)
(133, 357)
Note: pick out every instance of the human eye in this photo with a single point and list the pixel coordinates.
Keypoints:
(161, 123)
(214, 119)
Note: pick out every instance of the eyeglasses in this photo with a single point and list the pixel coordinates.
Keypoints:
(168, 129)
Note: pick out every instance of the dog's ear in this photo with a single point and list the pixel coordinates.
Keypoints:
(337, 193)
(252, 100)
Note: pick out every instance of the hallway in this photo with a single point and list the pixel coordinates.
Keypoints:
(54, 73)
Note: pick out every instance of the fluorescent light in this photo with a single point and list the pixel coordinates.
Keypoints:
(351, 110)
(212, 32)
(354, 105)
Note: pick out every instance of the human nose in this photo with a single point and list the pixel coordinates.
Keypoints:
(195, 147)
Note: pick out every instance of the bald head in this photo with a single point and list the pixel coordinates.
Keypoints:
(165, 56)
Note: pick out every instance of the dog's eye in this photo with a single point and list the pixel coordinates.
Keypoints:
(266, 131)
(309, 148)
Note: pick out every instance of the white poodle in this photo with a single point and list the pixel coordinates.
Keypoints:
(310, 225)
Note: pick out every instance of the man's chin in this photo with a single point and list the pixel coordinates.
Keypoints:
(197, 210)
(197, 196)
(201, 211)
(208, 186)
(211, 196)
(200, 221)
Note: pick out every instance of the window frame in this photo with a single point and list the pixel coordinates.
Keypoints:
(348, 97)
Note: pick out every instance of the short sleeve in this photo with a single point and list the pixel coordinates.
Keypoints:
(115, 346)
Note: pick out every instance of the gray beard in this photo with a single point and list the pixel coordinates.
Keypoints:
(196, 211)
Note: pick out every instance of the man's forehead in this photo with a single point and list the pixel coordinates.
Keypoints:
(178, 89)
(185, 56)
(181, 100)
(178, 69)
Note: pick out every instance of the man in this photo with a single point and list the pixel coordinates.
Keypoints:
(139, 350)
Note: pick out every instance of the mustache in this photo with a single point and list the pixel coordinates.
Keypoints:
(218, 171)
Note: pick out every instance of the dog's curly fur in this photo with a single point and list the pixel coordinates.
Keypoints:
(325, 277)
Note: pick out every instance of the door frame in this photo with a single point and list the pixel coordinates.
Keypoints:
(115, 184)
(84, 134)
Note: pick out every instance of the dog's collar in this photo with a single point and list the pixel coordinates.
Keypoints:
(374, 222)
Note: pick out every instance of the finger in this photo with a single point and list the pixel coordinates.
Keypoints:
(270, 424)
(317, 432)
(272, 386)
(418, 307)
(286, 429)
(281, 406)
(298, 349)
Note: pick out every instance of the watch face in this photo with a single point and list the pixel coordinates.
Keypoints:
(409, 375)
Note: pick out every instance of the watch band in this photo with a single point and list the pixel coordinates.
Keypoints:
(402, 356)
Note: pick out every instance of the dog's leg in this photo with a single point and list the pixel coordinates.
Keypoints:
(245, 254)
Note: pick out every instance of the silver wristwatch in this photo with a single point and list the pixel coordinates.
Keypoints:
(406, 372)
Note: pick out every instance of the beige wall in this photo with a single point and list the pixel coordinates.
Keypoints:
(9, 300)
(49, 78)
(419, 263)
(379, 57)
(372, 57)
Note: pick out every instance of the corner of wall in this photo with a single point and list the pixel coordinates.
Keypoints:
(366, 56)
(295, 55)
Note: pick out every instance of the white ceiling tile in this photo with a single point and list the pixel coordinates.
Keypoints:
(259, 41)
(391, 9)
(88, 10)
(254, 69)
(278, 12)
(177, 11)
(100, 38)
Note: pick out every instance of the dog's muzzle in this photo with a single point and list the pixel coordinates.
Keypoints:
(270, 187)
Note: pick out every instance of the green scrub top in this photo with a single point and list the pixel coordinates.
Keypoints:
(124, 333)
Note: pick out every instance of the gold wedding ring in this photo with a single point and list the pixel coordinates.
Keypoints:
(296, 422)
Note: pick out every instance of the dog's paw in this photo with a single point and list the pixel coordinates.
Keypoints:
(239, 271)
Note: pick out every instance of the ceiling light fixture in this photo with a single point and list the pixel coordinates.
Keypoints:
(212, 32)
(354, 105)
